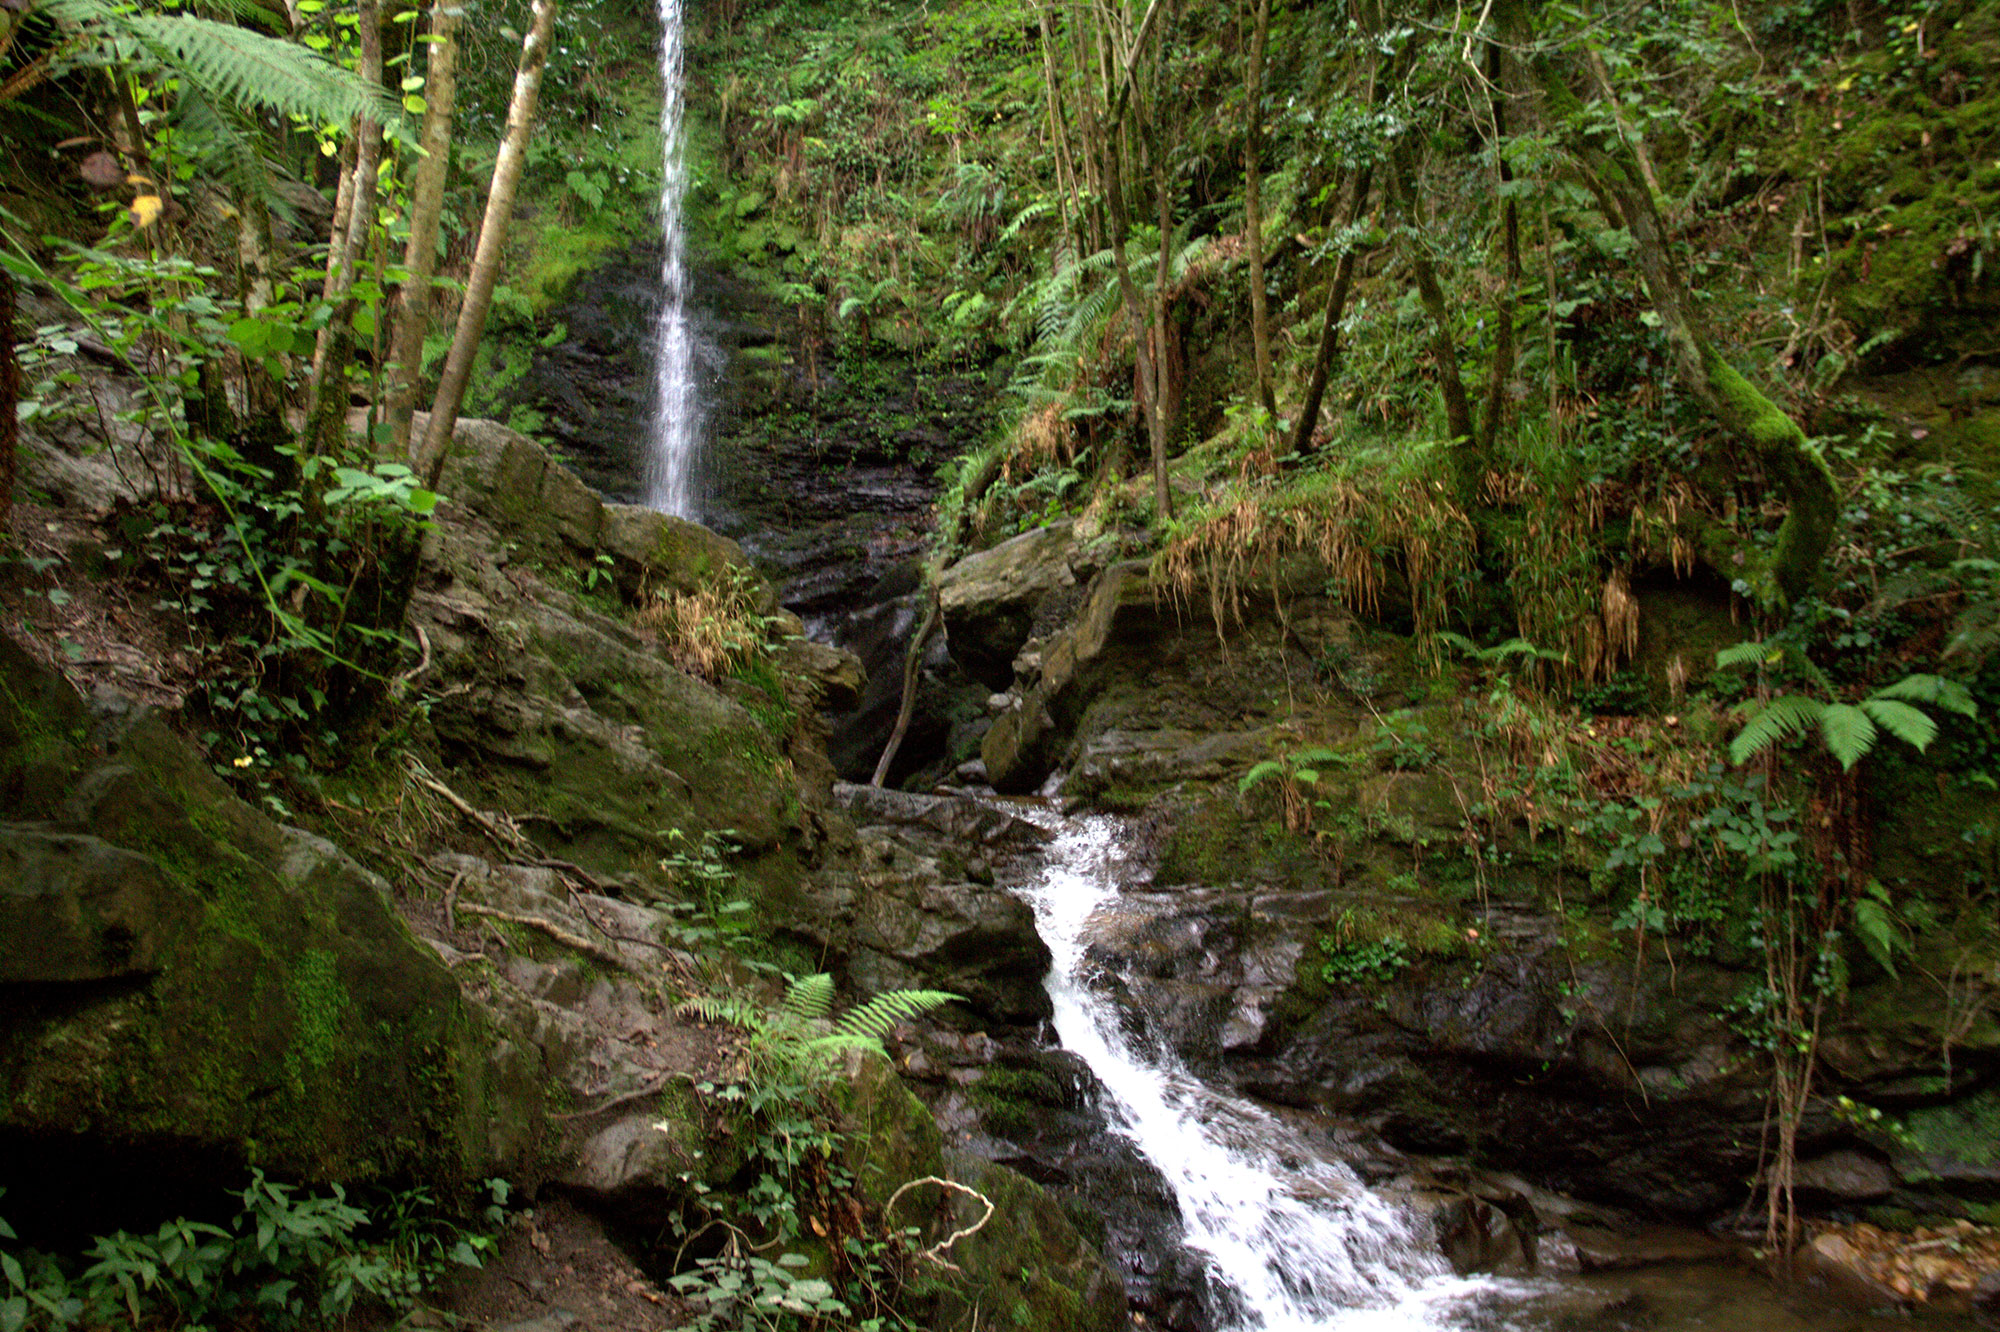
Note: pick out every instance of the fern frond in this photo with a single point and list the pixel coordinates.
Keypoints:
(1848, 732)
(1936, 690)
(1876, 923)
(823, 1050)
(1785, 715)
(731, 1009)
(232, 64)
(1268, 768)
(876, 1018)
(1910, 725)
(808, 999)
(1038, 209)
(1747, 654)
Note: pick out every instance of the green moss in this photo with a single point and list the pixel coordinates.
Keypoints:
(318, 1001)
(1967, 1131)
(1014, 1101)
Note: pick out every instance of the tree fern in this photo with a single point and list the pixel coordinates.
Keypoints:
(233, 66)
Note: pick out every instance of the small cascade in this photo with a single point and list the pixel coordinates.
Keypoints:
(1294, 1240)
(673, 446)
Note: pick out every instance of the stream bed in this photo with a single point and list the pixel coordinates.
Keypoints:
(1287, 1236)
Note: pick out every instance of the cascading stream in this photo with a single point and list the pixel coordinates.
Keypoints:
(673, 445)
(1294, 1241)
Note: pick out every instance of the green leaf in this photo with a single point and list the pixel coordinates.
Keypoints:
(1257, 774)
(1910, 725)
(1875, 926)
(1787, 714)
(1745, 654)
(1848, 732)
(1933, 689)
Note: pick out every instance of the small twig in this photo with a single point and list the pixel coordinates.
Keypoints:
(451, 902)
(566, 938)
(402, 682)
(650, 1089)
(507, 838)
(937, 1251)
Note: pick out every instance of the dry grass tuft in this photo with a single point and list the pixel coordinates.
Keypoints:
(1357, 521)
(712, 631)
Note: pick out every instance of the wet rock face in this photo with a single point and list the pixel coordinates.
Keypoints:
(822, 463)
(921, 909)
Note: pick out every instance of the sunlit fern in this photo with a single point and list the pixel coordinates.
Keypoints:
(225, 73)
(801, 1035)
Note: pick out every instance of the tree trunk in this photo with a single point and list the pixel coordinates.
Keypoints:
(1510, 243)
(326, 410)
(10, 397)
(492, 244)
(1614, 171)
(1457, 409)
(1329, 324)
(413, 303)
(1253, 210)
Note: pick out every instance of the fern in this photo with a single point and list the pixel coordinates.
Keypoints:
(1876, 925)
(1847, 731)
(1908, 724)
(1850, 730)
(874, 1019)
(808, 999)
(1268, 768)
(1935, 690)
(1785, 715)
(794, 1037)
(232, 66)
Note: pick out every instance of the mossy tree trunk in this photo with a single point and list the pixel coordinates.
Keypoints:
(413, 303)
(1616, 173)
(1253, 210)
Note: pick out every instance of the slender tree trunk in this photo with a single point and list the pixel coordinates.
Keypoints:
(326, 411)
(1510, 243)
(1253, 210)
(413, 302)
(1328, 350)
(10, 397)
(1451, 384)
(492, 244)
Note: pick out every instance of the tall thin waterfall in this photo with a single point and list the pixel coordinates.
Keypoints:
(673, 444)
(1294, 1241)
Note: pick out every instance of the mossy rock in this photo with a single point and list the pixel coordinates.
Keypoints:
(247, 995)
(1025, 1267)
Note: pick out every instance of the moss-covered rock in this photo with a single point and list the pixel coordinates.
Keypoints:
(209, 983)
(1025, 1267)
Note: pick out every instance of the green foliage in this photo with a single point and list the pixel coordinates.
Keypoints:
(797, 1036)
(285, 1261)
(1357, 955)
(1848, 730)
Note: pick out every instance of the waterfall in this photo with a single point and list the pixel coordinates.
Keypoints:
(673, 444)
(1294, 1241)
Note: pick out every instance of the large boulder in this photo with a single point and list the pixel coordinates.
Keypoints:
(990, 600)
(184, 982)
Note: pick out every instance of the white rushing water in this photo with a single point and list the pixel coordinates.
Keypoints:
(673, 446)
(1296, 1240)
